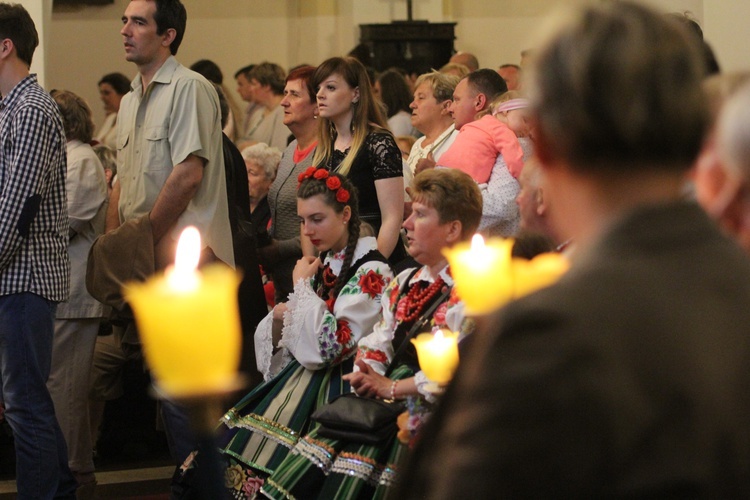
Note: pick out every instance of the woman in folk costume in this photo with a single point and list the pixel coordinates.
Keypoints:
(447, 207)
(305, 346)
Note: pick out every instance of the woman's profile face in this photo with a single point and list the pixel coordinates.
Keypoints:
(425, 234)
(336, 97)
(257, 180)
(326, 229)
(110, 98)
(425, 110)
(298, 109)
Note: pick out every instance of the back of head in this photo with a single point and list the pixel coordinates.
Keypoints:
(119, 82)
(488, 82)
(171, 14)
(394, 91)
(617, 88)
(455, 69)
(271, 74)
(107, 157)
(734, 133)
(209, 70)
(76, 116)
(304, 74)
(467, 59)
(16, 24)
(453, 194)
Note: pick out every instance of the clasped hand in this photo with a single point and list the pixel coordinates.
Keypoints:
(368, 383)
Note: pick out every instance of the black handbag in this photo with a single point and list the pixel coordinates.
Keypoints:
(363, 420)
(368, 420)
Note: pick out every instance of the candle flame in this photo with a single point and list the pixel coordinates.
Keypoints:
(477, 242)
(183, 276)
(188, 250)
(439, 335)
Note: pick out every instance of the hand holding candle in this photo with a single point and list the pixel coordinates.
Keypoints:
(189, 324)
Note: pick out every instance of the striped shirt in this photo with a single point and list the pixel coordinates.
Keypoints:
(33, 210)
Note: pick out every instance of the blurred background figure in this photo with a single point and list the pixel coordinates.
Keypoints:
(77, 319)
(394, 93)
(112, 87)
(211, 72)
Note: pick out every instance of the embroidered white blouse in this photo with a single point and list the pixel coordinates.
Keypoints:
(317, 336)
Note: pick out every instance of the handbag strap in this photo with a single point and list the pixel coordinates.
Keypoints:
(424, 318)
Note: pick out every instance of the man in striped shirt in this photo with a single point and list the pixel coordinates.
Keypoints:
(34, 267)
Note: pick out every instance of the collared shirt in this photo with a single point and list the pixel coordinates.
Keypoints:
(33, 210)
(177, 115)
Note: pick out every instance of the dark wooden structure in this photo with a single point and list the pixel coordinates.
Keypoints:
(416, 46)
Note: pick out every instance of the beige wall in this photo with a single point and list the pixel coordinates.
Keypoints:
(84, 43)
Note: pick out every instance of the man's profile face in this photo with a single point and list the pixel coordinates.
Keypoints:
(463, 109)
(142, 44)
(244, 89)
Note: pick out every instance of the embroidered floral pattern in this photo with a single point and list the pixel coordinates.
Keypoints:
(439, 316)
(373, 354)
(371, 283)
(252, 486)
(343, 332)
(243, 484)
(234, 477)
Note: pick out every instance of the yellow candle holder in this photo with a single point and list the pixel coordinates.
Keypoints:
(189, 325)
(438, 355)
(481, 273)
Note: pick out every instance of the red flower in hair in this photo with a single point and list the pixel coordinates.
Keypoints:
(321, 174)
(304, 175)
(342, 195)
(333, 183)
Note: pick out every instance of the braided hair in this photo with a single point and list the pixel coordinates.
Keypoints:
(312, 183)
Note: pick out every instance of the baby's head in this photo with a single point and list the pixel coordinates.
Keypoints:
(510, 108)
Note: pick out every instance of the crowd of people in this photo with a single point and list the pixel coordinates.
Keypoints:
(335, 189)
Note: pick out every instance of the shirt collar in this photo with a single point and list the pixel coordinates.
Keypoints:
(163, 75)
(424, 274)
(18, 90)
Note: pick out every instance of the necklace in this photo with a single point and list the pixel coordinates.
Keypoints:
(411, 305)
(329, 279)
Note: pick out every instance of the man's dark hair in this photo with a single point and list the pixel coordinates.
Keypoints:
(245, 71)
(16, 24)
(171, 14)
(117, 81)
(209, 70)
(487, 82)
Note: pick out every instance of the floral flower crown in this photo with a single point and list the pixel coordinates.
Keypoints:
(332, 182)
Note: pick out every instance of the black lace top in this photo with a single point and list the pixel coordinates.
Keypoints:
(378, 158)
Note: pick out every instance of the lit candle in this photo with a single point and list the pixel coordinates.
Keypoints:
(189, 324)
(481, 272)
(438, 355)
(542, 271)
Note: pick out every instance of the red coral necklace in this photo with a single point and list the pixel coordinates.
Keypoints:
(412, 304)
